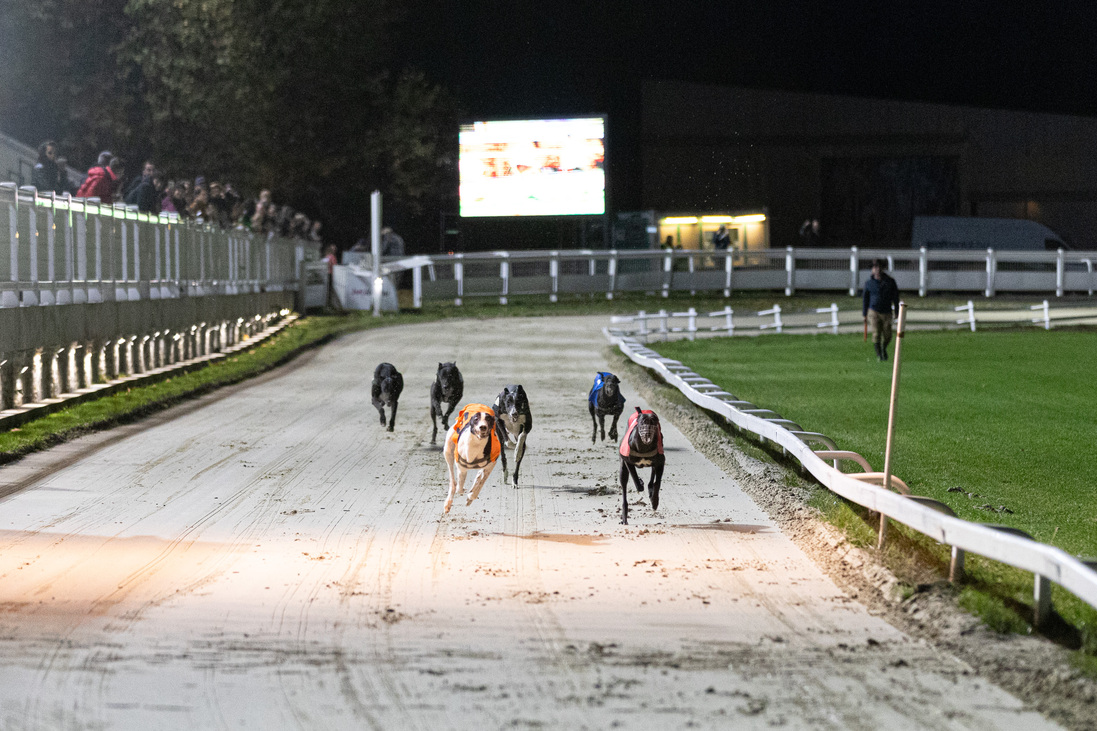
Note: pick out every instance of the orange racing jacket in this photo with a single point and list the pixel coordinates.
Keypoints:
(491, 450)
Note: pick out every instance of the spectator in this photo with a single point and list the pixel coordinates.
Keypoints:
(46, 176)
(100, 181)
(219, 209)
(63, 176)
(721, 240)
(314, 232)
(810, 233)
(144, 191)
(199, 202)
(118, 167)
(392, 244)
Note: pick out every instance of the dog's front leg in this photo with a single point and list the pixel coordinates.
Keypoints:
(602, 424)
(625, 469)
(594, 420)
(504, 439)
(657, 464)
(450, 464)
(519, 452)
(479, 482)
(445, 417)
(392, 415)
(435, 407)
(380, 406)
(613, 427)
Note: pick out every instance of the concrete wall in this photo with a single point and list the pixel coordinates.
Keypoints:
(49, 350)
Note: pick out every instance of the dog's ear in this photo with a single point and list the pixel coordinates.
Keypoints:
(439, 366)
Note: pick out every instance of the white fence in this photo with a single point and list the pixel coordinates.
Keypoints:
(691, 324)
(924, 515)
(90, 293)
(63, 250)
(504, 274)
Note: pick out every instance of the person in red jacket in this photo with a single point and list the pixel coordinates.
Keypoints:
(101, 181)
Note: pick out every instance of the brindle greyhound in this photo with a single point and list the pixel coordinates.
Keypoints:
(387, 385)
(641, 447)
(448, 387)
(605, 398)
(513, 421)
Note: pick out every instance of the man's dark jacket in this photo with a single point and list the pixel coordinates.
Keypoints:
(881, 295)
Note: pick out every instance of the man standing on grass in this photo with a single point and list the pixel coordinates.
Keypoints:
(880, 305)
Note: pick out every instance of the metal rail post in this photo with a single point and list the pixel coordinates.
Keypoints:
(375, 248)
(895, 371)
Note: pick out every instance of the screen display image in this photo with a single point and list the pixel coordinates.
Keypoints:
(544, 167)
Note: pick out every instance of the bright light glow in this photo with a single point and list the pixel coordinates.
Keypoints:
(717, 219)
(751, 218)
(674, 220)
(534, 167)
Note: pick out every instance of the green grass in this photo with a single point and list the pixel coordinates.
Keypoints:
(997, 424)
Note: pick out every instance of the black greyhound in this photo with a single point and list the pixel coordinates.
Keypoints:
(387, 385)
(605, 398)
(449, 387)
(642, 447)
(513, 421)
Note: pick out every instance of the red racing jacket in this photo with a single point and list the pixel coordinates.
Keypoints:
(626, 451)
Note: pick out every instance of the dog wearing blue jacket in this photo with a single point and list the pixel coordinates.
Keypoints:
(605, 399)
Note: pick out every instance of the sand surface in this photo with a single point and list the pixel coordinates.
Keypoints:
(271, 558)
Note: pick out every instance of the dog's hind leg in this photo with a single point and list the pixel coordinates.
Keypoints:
(519, 452)
(479, 482)
(625, 469)
(594, 420)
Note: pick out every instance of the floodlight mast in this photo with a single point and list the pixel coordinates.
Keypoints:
(895, 370)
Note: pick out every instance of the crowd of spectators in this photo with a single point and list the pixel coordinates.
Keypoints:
(213, 202)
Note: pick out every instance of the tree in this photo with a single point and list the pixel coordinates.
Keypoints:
(299, 96)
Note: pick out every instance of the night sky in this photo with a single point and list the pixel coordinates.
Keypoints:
(531, 59)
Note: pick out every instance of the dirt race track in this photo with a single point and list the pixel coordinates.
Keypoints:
(270, 558)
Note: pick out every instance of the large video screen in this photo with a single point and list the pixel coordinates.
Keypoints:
(533, 167)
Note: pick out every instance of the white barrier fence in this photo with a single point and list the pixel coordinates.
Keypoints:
(91, 293)
(64, 250)
(927, 516)
(503, 274)
(691, 324)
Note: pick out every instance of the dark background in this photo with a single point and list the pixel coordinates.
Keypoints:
(536, 59)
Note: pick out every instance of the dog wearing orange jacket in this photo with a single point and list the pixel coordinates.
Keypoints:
(471, 443)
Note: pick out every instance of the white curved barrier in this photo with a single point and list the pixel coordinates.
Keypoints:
(1053, 564)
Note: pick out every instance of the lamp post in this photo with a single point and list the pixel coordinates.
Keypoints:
(375, 247)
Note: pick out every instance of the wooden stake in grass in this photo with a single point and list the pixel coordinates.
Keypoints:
(891, 415)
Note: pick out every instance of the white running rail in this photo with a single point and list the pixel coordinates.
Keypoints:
(1048, 563)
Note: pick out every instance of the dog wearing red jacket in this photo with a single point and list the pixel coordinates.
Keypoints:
(471, 443)
(642, 447)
